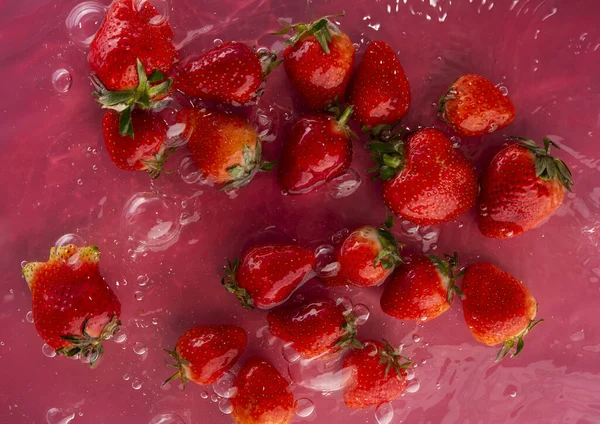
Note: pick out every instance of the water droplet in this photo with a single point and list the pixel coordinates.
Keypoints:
(266, 123)
(138, 295)
(69, 239)
(223, 387)
(142, 280)
(503, 89)
(204, 394)
(455, 141)
(225, 406)
(48, 351)
(362, 313)
(214, 398)
(169, 418)
(62, 80)
(217, 42)
(409, 228)
(121, 335)
(289, 353)
(344, 185)
(384, 413)
(356, 47)
(29, 317)
(327, 375)
(161, 6)
(345, 301)
(136, 384)
(188, 171)
(590, 134)
(126, 377)
(326, 265)
(460, 224)
(413, 386)
(416, 338)
(578, 336)
(155, 321)
(512, 394)
(140, 348)
(84, 20)
(304, 407)
(410, 374)
(59, 416)
(339, 236)
(80, 182)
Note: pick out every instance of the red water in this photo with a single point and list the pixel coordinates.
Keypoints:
(58, 179)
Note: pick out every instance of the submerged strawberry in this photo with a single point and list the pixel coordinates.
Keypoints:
(74, 310)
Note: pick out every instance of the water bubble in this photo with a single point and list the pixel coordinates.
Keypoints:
(140, 348)
(142, 280)
(408, 227)
(169, 418)
(339, 236)
(289, 353)
(59, 416)
(503, 89)
(362, 313)
(345, 302)
(416, 338)
(214, 398)
(224, 387)
(161, 6)
(384, 413)
(67, 239)
(344, 185)
(410, 374)
(326, 265)
(356, 47)
(120, 336)
(29, 317)
(413, 386)
(62, 80)
(512, 394)
(204, 394)
(217, 42)
(23, 263)
(188, 171)
(155, 321)
(84, 21)
(126, 377)
(48, 351)
(460, 224)
(225, 406)
(136, 384)
(578, 336)
(321, 375)
(138, 295)
(304, 407)
(266, 125)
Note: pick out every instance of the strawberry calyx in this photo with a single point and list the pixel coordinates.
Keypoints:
(349, 340)
(155, 165)
(178, 365)
(441, 105)
(145, 96)
(389, 256)
(517, 341)
(322, 29)
(242, 174)
(387, 145)
(392, 358)
(447, 267)
(342, 116)
(232, 286)
(268, 61)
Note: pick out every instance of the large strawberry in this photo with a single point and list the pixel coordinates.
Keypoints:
(318, 149)
(318, 328)
(498, 308)
(74, 310)
(422, 288)
(145, 152)
(474, 106)
(521, 187)
(377, 375)
(426, 180)
(318, 62)
(268, 274)
(203, 354)
(225, 147)
(263, 396)
(129, 56)
(230, 73)
(379, 91)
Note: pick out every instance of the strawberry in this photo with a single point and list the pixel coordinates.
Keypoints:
(474, 106)
(74, 310)
(145, 152)
(521, 187)
(426, 180)
(230, 73)
(379, 92)
(204, 353)
(318, 150)
(422, 288)
(498, 308)
(318, 62)
(377, 375)
(367, 256)
(129, 57)
(318, 328)
(225, 147)
(263, 396)
(267, 274)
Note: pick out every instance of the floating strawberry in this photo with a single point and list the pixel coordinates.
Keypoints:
(318, 62)
(316, 328)
(377, 375)
(230, 73)
(204, 353)
(318, 150)
(521, 187)
(268, 274)
(225, 147)
(74, 310)
(129, 57)
(263, 396)
(498, 308)
(426, 180)
(422, 288)
(474, 106)
(379, 92)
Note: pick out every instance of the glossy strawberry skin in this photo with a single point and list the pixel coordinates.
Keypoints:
(379, 92)
(474, 107)
(263, 396)
(437, 183)
(229, 73)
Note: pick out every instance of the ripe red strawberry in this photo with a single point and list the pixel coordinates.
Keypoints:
(422, 288)
(377, 375)
(230, 73)
(498, 308)
(267, 275)
(367, 256)
(145, 152)
(318, 62)
(203, 354)
(521, 187)
(74, 310)
(263, 396)
(318, 150)
(379, 91)
(225, 147)
(131, 52)
(316, 328)
(426, 180)
(474, 106)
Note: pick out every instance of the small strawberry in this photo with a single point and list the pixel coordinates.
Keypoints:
(498, 308)
(145, 152)
(318, 62)
(367, 256)
(230, 73)
(225, 147)
(422, 288)
(203, 354)
(74, 310)
(129, 57)
(318, 150)
(474, 106)
(318, 328)
(426, 180)
(263, 396)
(379, 92)
(267, 275)
(521, 187)
(377, 375)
